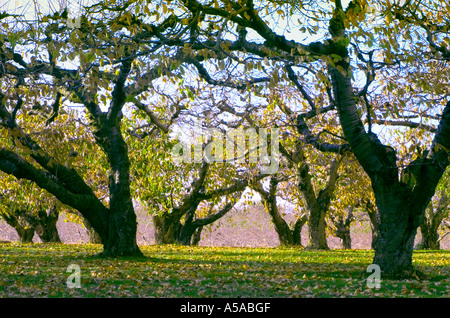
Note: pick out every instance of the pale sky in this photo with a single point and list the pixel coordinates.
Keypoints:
(29, 8)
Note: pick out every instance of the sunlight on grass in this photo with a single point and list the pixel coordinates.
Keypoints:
(39, 270)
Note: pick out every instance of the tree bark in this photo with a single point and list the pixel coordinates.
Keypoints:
(122, 225)
(317, 229)
(45, 224)
(374, 218)
(188, 228)
(394, 246)
(400, 206)
(319, 205)
(26, 234)
(197, 236)
(120, 239)
(286, 235)
(167, 229)
(431, 222)
(342, 228)
(24, 229)
(170, 230)
(93, 236)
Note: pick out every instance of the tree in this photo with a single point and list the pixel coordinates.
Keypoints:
(342, 227)
(400, 205)
(288, 235)
(88, 66)
(436, 212)
(350, 199)
(29, 210)
(182, 197)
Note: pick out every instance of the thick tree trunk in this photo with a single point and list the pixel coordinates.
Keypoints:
(167, 229)
(298, 226)
(117, 224)
(26, 234)
(317, 227)
(170, 230)
(122, 229)
(347, 241)
(395, 242)
(342, 228)
(398, 228)
(197, 236)
(45, 225)
(186, 235)
(188, 228)
(374, 218)
(430, 239)
(431, 222)
(24, 229)
(400, 208)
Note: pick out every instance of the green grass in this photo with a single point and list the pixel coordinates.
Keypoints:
(39, 270)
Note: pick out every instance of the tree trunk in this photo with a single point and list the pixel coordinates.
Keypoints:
(167, 229)
(117, 224)
(400, 207)
(24, 229)
(374, 218)
(347, 241)
(197, 236)
(26, 234)
(45, 225)
(317, 229)
(94, 237)
(122, 225)
(188, 229)
(431, 222)
(298, 226)
(342, 228)
(400, 217)
(286, 236)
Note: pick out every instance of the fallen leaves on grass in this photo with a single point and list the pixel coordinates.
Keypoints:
(39, 270)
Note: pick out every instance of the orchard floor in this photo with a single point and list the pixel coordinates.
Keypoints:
(48, 270)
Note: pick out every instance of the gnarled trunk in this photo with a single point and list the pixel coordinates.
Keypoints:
(167, 229)
(286, 235)
(431, 222)
(342, 228)
(45, 224)
(122, 225)
(94, 237)
(317, 227)
(400, 205)
(26, 234)
(319, 205)
(397, 230)
(19, 222)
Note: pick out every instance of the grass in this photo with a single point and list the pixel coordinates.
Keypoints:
(40, 270)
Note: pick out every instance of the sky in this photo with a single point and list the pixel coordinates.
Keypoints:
(29, 8)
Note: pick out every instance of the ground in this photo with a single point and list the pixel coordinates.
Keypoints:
(239, 258)
(48, 270)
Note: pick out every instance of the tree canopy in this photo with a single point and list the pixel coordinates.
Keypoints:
(327, 74)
